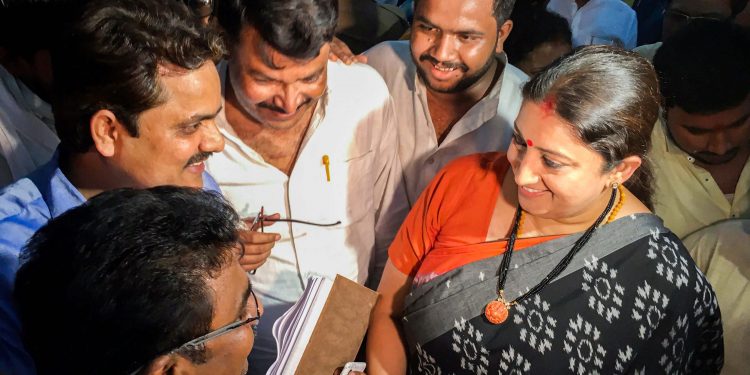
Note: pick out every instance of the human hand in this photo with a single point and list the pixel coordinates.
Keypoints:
(258, 245)
(340, 51)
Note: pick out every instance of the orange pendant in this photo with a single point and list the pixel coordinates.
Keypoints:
(496, 312)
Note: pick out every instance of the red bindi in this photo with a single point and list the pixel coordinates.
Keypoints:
(530, 143)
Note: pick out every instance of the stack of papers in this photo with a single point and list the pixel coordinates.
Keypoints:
(324, 329)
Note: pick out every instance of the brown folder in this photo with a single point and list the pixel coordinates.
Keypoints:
(340, 329)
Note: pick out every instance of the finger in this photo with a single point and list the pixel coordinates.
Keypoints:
(250, 238)
(270, 219)
(257, 260)
(332, 56)
(361, 59)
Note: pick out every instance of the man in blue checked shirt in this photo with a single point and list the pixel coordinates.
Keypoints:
(136, 96)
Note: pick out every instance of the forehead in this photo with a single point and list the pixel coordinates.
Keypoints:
(255, 55)
(185, 93)
(549, 131)
(702, 7)
(458, 15)
(228, 289)
(678, 116)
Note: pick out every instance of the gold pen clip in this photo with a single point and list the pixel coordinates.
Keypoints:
(327, 164)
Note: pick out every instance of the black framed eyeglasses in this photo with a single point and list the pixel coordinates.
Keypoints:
(684, 18)
(195, 343)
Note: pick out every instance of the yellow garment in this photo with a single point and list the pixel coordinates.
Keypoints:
(722, 252)
(686, 196)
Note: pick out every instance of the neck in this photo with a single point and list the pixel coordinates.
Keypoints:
(89, 174)
(536, 226)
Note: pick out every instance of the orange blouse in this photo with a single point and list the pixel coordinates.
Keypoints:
(447, 227)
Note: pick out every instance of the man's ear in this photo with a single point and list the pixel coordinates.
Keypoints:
(502, 34)
(169, 364)
(626, 168)
(105, 131)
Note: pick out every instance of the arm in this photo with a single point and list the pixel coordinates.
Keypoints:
(386, 348)
(389, 194)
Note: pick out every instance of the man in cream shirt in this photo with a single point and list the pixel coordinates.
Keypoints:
(310, 140)
(453, 90)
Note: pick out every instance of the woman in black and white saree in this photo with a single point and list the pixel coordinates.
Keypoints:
(547, 259)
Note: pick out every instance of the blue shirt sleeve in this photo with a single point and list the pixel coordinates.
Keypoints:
(22, 212)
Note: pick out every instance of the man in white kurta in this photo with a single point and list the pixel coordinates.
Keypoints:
(310, 140)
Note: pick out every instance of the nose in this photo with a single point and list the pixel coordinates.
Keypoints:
(525, 173)
(719, 143)
(212, 140)
(288, 99)
(443, 49)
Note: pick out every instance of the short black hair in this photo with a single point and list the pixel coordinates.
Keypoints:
(533, 25)
(705, 67)
(296, 28)
(112, 284)
(501, 9)
(111, 60)
(28, 26)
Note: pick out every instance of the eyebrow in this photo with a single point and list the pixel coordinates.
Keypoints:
(198, 117)
(548, 151)
(732, 124)
(427, 22)
(245, 296)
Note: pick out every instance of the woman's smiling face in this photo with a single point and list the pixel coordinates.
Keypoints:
(558, 176)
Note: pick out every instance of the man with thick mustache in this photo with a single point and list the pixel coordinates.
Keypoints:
(136, 95)
(308, 140)
(453, 90)
(702, 147)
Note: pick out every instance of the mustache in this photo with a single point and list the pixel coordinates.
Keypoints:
(444, 64)
(278, 109)
(199, 157)
(710, 157)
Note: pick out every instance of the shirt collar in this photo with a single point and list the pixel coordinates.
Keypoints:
(56, 190)
(662, 139)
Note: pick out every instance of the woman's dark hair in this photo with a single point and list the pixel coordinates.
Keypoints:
(112, 284)
(610, 97)
(112, 57)
(296, 28)
(533, 26)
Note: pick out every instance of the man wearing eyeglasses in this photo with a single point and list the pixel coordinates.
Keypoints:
(135, 282)
(679, 13)
(135, 95)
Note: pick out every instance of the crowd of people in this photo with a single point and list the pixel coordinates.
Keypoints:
(532, 186)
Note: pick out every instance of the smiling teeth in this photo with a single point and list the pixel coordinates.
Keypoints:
(530, 190)
(444, 69)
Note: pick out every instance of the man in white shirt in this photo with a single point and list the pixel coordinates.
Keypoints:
(599, 21)
(453, 90)
(27, 132)
(310, 140)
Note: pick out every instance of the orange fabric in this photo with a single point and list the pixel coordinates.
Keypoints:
(448, 225)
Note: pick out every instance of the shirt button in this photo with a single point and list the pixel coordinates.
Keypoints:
(430, 161)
